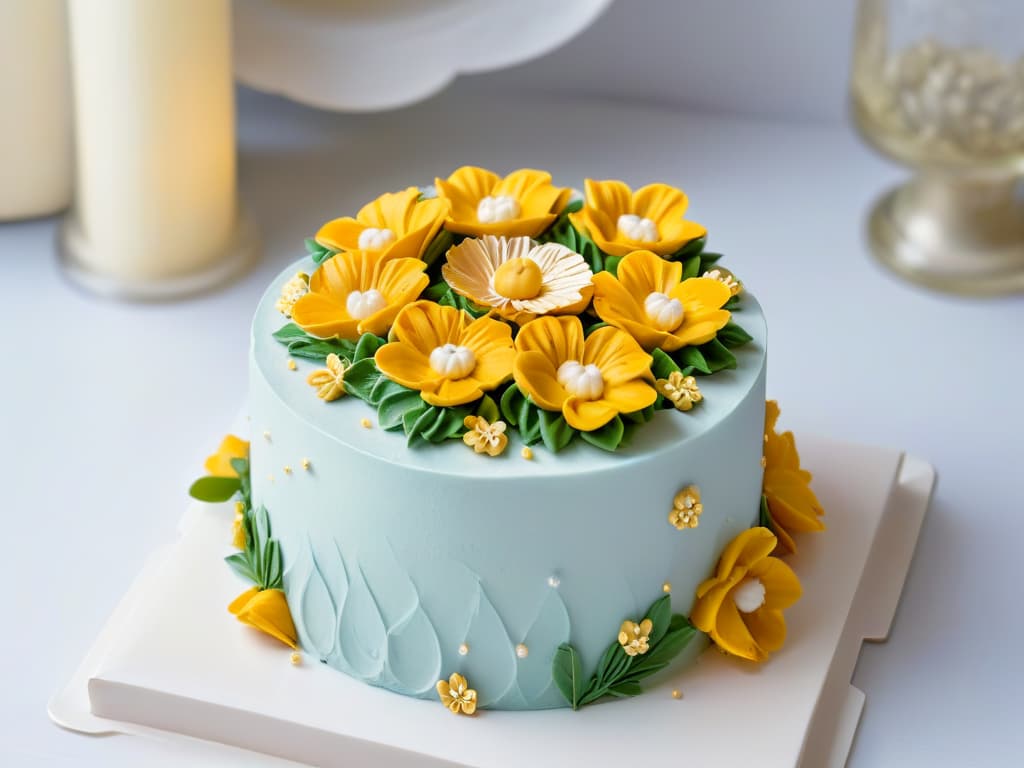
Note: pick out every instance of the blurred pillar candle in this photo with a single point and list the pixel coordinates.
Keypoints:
(155, 211)
(35, 132)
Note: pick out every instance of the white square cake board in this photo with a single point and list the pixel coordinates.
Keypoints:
(171, 658)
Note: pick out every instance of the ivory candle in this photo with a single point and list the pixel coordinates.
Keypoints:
(155, 210)
(35, 133)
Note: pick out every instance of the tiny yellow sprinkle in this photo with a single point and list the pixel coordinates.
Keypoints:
(305, 463)
(266, 434)
(270, 478)
(291, 365)
(526, 453)
(367, 424)
(764, 462)
(677, 694)
(296, 658)
(287, 469)
(666, 587)
(239, 508)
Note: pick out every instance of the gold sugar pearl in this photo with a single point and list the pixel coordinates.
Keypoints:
(677, 694)
(287, 469)
(526, 453)
(305, 464)
(291, 365)
(266, 434)
(522, 651)
(367, 424)
(296, 658)
(463, 649)
(666, 587)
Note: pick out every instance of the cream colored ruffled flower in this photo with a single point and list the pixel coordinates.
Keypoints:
(726, 278)
(456, 694)
(686, 508)
(681, 390)
(330, 381)
(291, 292)
(484, 437)
(519, 279)
(634, 638)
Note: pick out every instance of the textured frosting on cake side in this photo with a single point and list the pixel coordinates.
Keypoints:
(406, 564)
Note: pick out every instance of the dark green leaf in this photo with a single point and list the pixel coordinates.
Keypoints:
(708, 260)
(567, 674)
(733, 336)
(663, 365)
(360, 379)
(572, 206)
(692, 248)
(691, 268)
(487, 409)
(301, 344)
(765, 516)
(661, 655)
(717, 356)
(691, 357)
(367, 347)
(438, 247)
(611, 264)
(510, 404)
(626, 688)
(660, 614)
(733, 304)
(215, 489)
(392, 408)
(593, 327)
(608, 437)
(448, 423)
(239, 563)
(555, 431)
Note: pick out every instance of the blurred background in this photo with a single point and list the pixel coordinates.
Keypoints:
(148, 197)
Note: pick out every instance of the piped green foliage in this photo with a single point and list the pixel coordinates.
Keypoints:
(260, 561)
(302, 344)
(619, 674)
(319, 253)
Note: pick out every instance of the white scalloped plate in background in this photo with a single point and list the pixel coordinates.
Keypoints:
(366, 55)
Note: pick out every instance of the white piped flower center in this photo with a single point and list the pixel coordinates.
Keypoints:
(665, 313)
(373, 239)
(583, 381)
(749, 595)
(453, 361)
(362, 304)
(637, 228)
(491, 210)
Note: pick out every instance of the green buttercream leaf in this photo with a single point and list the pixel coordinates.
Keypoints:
(573, 206)
(692, 248)
(663, 366)
(717, 356)
(691, 268)
(319, 253)
(521, 413)
(239, 563)
(360, 379)
(367, 347)
(215, 489)
(691, 357)
(555, 431)
(611, 264)
(608, 437)
(568, 674)
(626, 688)
(733, 304)
(392, 408)
(764, 518)
(443, 294)
(301, 344)
(593, 327)
(708, 260)
(509, 404)
(660, 614)
(435, 424)
(487, 409)
(438, 246)
(661, 655)
(732, 335)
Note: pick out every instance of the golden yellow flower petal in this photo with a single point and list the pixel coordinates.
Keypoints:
(659, 203)
(219, 463)
(537, 197)
(618, 356)
(630, 396)
(781, 585)
(340, 234)
(641, 272)
(732, 635)
(266, 610)
(768, 627)
(612, 198)
(406, 365)
(557, 338)
(701, 292)
(792, 503)
(538, 380)
(587, 415)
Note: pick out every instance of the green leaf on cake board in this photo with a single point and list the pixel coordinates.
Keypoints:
(215, 489)
(568, 674)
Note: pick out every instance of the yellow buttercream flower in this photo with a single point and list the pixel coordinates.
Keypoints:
(219, 463)
(482, 203)
(484, 437)
(682, 391)
(266, 610)
(741, 606)
(238, 527)
(329, 381)
(456, 694)
(634, 638)
(649, 299)
(787, 488)
(589, 380)
(358, 292)
(444, 353)
(397, 225)
(686, 508)
(519, 279)
(620, 220)
(292, 291)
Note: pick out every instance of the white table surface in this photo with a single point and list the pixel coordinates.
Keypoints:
(107, 410)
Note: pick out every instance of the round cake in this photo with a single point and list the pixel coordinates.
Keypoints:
(510, 449)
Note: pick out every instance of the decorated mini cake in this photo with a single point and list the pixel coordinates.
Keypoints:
(510, 448)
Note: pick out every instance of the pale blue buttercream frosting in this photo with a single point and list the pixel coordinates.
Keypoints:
(404, 565)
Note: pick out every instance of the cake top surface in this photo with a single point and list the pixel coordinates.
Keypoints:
(489, 314)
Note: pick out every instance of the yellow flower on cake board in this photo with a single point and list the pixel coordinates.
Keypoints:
(266, 610)
(358, 292)
(517, 278)
(619, 220)
(231, 447)
(456, 695)
(793, 506)
(649, 299)
(396, 225)
(741, 606)
(482, 203)
(590, 381)
(449, 357)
